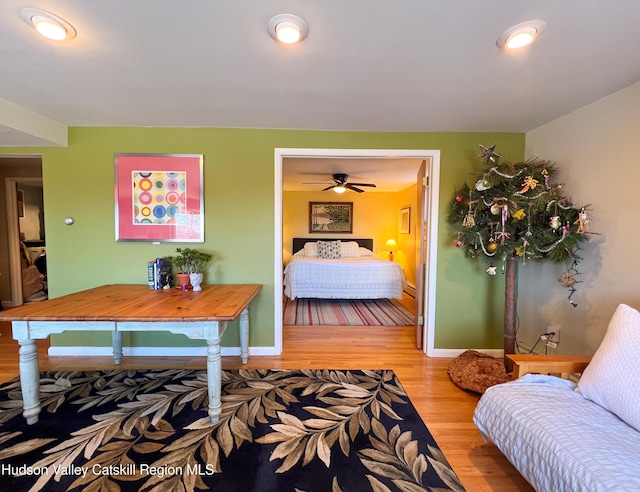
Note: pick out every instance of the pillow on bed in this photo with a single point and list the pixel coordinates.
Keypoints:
(612, 378)
(349, 249)
(329, 249)
(311, 249)
(365, 252)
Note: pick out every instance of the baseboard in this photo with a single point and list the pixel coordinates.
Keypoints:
(105, 351)
(410, 290)
(497, 353)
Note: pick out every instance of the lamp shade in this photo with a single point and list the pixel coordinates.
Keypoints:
(391, 245)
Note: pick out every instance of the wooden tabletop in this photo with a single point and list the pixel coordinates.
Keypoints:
(126, 302)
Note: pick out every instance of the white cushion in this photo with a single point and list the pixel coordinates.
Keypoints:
(311, 249)
(349, 249)
(612, 378)
(365, 252)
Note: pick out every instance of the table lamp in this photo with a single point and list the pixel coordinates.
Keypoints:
(391, 246)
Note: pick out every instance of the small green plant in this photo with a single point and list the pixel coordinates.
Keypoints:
(189, 260)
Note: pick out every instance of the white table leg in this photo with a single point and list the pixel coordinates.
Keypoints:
(214, 379)
(116, 341)
(244, 335)
(29, 380)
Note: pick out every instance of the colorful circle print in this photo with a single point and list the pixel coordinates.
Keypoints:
(145, 184)
(145, 198)
(159, 197)
(172, 198)
(159, 211)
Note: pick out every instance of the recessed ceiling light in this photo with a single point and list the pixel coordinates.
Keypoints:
(49, 25)
(521, 34)
(288, 28)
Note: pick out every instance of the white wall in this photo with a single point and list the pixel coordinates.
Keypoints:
(597, 151)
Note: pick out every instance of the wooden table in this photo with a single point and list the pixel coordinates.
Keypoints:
(117, 308)
(548, 364)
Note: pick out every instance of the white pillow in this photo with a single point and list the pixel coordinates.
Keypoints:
(365, 252)
(349, 249)
(311, 249)
(612, 378)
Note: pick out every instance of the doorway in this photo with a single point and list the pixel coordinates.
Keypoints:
(26, 243)
(433, 159)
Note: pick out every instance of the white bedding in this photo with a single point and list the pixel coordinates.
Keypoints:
(557, 439)
(362, 277)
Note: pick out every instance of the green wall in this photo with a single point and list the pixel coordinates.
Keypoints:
(239, 217)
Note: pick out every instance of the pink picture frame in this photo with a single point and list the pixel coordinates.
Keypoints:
(159, 197)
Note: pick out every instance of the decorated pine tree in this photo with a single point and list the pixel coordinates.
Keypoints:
(516, 212)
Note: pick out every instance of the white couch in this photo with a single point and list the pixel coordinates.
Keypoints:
(563, 436)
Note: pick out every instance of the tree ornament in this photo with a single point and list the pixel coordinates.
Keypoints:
(529, 183)
(459, 198)
(488, 154)
(554, 222)
(482, 185)
(545, 173)
(492, 247)
(518, 214)
(491, 270)
(567, 279)
(495, 209)
(582, 221)
(457, 243)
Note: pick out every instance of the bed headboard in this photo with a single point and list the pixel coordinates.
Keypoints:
(299, 242)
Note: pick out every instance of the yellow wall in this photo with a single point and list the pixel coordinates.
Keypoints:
(374, 216)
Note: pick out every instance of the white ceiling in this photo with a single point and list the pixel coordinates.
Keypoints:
(366, 65)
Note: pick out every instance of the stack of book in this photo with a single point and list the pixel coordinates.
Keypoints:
(159, 274)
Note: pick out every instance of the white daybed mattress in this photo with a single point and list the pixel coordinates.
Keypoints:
(557, 439)
(362, 277)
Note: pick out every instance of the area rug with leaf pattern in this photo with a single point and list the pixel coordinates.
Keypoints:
(280, 430)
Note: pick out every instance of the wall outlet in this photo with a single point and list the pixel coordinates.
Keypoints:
(553, 340)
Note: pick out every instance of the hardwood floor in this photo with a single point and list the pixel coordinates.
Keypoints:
(445, 408)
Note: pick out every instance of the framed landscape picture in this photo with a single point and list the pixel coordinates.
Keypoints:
(405, 220)
(330, 217)
(158, 197)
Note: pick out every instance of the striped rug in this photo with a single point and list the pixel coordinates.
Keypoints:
(352, 312)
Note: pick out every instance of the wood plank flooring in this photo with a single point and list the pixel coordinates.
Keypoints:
(445, 408)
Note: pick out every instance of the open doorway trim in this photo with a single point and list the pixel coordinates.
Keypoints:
(433, 172)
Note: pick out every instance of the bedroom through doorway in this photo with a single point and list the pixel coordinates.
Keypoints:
(311, 168)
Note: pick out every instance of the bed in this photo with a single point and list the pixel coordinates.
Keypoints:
(341, 269)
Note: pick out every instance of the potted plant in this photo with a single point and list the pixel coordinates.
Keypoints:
(190, 264)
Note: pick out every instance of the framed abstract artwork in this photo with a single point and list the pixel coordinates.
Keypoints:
(405, 220)
(159, 197)
(328, 217)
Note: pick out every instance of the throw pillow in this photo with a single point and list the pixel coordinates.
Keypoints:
(329, 249)
(311, 249)
(349, 249)
(612, 378)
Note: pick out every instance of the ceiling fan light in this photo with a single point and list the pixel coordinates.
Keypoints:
(520, 35)
(339, 189)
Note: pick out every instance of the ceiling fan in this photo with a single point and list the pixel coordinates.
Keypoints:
(340, 184)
